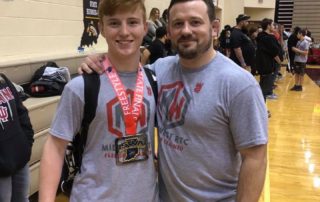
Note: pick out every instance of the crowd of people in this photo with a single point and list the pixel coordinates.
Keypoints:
(262, 50)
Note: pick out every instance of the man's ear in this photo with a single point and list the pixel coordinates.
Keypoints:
(100, 25)
(215, 28)
(168, 32)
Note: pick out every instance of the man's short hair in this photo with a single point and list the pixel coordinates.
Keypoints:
(242, 17)
(210, 7)
(265, 22)
(160, 32)
(110, 7)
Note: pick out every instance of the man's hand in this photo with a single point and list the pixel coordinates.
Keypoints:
(92, 63)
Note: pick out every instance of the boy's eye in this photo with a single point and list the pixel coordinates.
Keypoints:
(113, 23)
(133, 22)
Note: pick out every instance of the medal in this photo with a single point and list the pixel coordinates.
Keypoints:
(131, 149)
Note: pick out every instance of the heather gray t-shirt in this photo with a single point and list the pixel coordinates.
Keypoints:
(304, 46)
(205, 116)
(101, 179)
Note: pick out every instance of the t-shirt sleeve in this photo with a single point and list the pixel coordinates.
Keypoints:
(305, 45)
(248, 118)
(69, 113)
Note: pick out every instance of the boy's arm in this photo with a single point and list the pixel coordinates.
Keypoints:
(301, 52)
(50, 168)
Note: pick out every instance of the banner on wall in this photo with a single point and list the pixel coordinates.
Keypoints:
(90, 21)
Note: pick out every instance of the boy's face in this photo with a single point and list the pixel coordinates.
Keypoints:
(124, 32)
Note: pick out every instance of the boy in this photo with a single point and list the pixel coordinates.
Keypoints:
(106, 175)
(300, 60)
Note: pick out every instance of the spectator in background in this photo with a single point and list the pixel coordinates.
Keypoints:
(300, 60)
(164, 18)
(224, 40)
(157, 48)
(253, 34)
(267, 57)
(16, 139)
(153, 24)
(292, 42)
(240, 42)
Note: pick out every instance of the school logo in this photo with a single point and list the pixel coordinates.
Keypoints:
(173, 104)
(3, 114)
(115, 116)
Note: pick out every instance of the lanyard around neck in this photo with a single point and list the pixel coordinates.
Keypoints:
(131, 111)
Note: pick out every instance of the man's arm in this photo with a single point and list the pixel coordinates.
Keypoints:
(239, 55)
(50, 168)
(145, 56)
(252, 173)
(92, 62)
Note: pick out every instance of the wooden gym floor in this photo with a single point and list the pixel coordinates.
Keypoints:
(294, 144)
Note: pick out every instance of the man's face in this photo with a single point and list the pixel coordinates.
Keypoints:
(124, 32)
(244, 24)
(190, 29)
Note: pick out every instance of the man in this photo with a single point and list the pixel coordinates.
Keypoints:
(211, 115)
(267, 57)
(240, 42)
(300, 60)
(157, 47)
(115, 163)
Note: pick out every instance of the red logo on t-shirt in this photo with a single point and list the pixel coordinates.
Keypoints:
(173, 104)
(198, 87)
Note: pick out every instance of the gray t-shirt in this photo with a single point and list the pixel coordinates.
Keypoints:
(304, 46)
(205, 116)
(101, 179)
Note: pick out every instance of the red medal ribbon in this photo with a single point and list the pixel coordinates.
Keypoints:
(131, 111)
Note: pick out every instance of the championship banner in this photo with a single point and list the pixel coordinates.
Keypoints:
(90, 21)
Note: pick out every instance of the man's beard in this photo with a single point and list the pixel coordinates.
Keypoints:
(194, 52)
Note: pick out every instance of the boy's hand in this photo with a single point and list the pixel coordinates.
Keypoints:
(92, 63)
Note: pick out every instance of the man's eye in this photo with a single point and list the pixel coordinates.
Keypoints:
(178, 24)
(195, 23)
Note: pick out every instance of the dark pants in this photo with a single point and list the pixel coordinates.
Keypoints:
(266, 83)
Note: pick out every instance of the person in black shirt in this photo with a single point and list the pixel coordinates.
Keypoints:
(240, 42)
(292, 42)
(16, 140)
(156, 49)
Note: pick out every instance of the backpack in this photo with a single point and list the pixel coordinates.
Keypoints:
(74, 151)
(49, 80)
